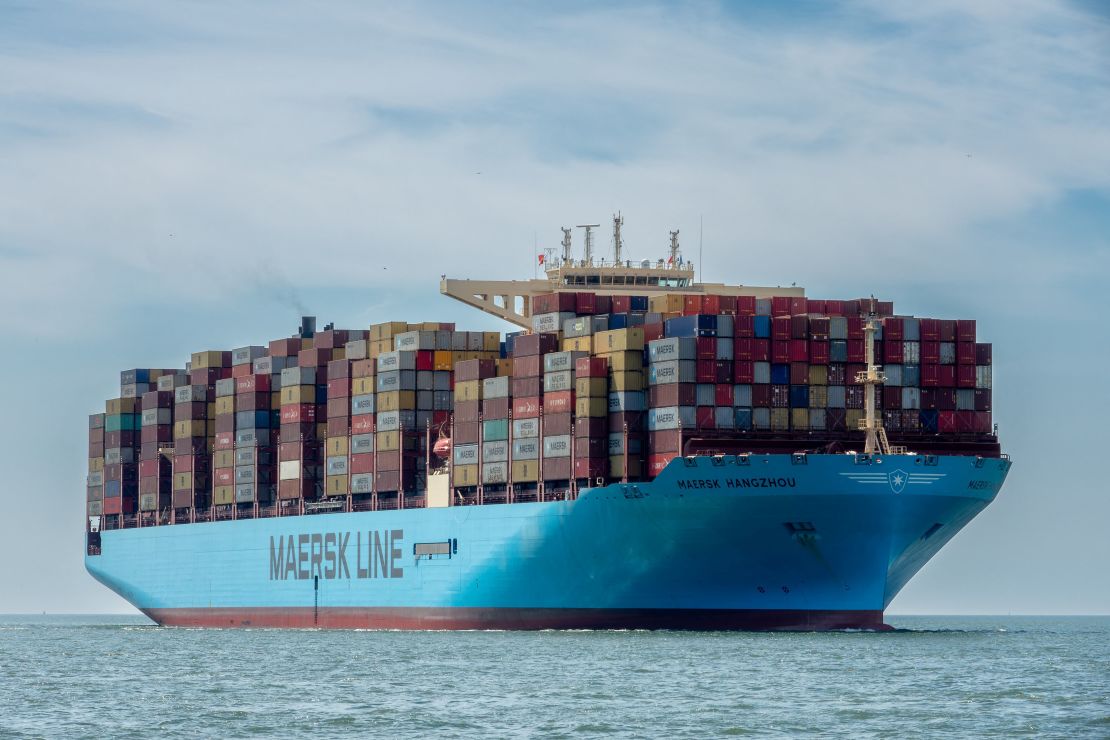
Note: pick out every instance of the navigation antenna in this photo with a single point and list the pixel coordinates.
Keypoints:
(618, 222)
(566, 245)
(674, 248)
(588, 253)
(871, 379)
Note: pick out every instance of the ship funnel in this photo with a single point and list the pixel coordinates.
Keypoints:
(308, 327)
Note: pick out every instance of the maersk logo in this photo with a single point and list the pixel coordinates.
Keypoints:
(896, 479)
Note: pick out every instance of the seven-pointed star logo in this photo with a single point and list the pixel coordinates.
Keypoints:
(897, 480)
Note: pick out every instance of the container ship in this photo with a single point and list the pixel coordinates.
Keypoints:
(644, 451)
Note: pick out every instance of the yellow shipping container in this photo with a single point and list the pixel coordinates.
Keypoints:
(121, 405)
(852, 418)
(362, 386)
(296, 394)
(338, 446)
(223, 495)
(443, 360)
(491, 341)
(387, 330)
(578, 344)
(624, 360)
(379, 346)
(395, 400)
(223, 459)
(526, 471)
(209, 358)
(630, 339)
(185, 429)
(818, 396)
(387, 441)
(225, 405)
(504, 366)
(799, 418)
(468, 390)
(616, 466)
(818, 375)
(321, 430)
(426, 326)
(667, 303)
(465, 475)
(339, 353)
(584, 387)
(96, 464)
(780, 419)
(182, 481)
(629, 380)
(336, 484)
(591, 406)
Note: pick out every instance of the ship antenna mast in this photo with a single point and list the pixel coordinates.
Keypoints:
(588, 253)
(674, 248)
(872, 378)
(618, 221)
(566, 245)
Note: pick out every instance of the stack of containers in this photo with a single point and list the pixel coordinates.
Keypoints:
(591, 415)
(526, 392)
(395, 442)
(381, 336)
(558, 414)
(223, 455)
(495, 407)
(361, 461)
(95, 481)
(134, 383)
(254, 434)
(622, 351)
(195, 436)
(672, 398)
(466, 454)
(338, 445)
(300, 453)
(121, 443)
(155, 468)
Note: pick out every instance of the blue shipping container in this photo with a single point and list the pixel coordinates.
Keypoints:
(780, 374)
(799, 396)
(702, 325)
(763, 327)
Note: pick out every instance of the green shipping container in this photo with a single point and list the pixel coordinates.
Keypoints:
(122, 422)
(495, 429)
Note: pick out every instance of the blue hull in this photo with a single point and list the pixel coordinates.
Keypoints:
(813, 542)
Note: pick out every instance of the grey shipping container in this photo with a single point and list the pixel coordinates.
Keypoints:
(466, 454)
(557, 446)
(558, 381)
(672, 371)
(671, 417)
(526, 449)
(361, 443)
(496, 387)
(497, 451)
(389, 361)
(554, 362)
(524, 428)
(674, 348)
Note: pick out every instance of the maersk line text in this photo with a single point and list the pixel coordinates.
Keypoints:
(324, 555)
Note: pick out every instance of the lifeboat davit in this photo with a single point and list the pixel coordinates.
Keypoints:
(442, 448)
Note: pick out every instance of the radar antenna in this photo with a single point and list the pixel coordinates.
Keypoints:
(566, 245)
(588, 251)
(618, 222)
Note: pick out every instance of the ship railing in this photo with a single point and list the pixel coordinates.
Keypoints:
(130, 520)
(362, 506)
(201, 515)
(267, 511)
(222, 513)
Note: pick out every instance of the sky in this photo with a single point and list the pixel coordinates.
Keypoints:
(185, 176)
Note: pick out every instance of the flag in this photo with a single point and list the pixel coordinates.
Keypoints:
(540, 258)
(670, 260)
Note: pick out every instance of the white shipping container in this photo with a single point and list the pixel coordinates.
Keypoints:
(627, 401)
(893, 375)
(526, 449)
(494, 473)
(298, 376)
(496, 387)
(838, 327)
(557, 446)
(761, 372)
(362, 483)
(289, 469)
(466, 454)
(497, 451)
(836, 397)
(526, 428)
(559, 381)
(911, 353)
(725, 347)
(983, 376)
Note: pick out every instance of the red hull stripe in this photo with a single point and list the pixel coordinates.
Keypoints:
(458, 618)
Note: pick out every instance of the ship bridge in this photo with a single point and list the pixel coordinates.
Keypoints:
(511, 300)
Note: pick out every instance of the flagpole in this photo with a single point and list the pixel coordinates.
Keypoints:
(536, 259)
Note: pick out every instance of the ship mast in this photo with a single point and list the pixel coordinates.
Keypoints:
(566, 245)
(872, 378)
(618, 222)
(588, 250)
(674, 248)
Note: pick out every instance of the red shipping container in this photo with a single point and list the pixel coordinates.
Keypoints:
(706, 348)
(289, 490)
(799, 327)
(965, 376)
(851, 373)
(780, 328)
(653, 332)
(893, 328)
(798, 305)
(892, 398)
(884, 308)
(761, 395)
(711, 304)
(855, 327)
(363, 462)
(526, 386)
(819, 328)
(425, 359)
(745, 305)
(743, 371)
(857, 352)
(495, 408)
(743, 326)
(727, 305)
(834, 308)
(161, 433)
(780, 352)
(672, 394)
(298, 413)
(983, 422)
(930, 353)
(526, 408)
(157, 400)
(252, 383)
(799, 373)
(965, 330)
(591, 467)
(339, 369)
(965, 353)
(556, 424)
(892, 352)
(965, 421)
(722, 395)
(692, 305)
(586, 447)
(929, 398)
(482, 369)
(947, 375)
(224, 476)
(946, 399)
(339, 407)
(528, 366)
(240, 371)
(329, 339)
(706, 371)
(799, 350)
(621, 304)
(593, 426)
(208, 376)
(930, 330)
(120, 505)
(819, 352)
(815, 306)
(591, 367)
(585, 304)
(930, 375)
(982, 354)
(339, 388)
(982, 399)
(225, 423)
(947, 330)
(528, 345)
(288, 347)
(559, 402)
(223, 441)
(151, 468)
(314, 357)
(722, 371)
(657, 462)
(467, 411)
(339, 426)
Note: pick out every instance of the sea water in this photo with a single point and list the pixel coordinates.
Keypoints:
(120, 677)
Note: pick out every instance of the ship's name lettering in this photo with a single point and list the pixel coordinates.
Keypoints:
(330, 555)
(979, 485)
(700, 483)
